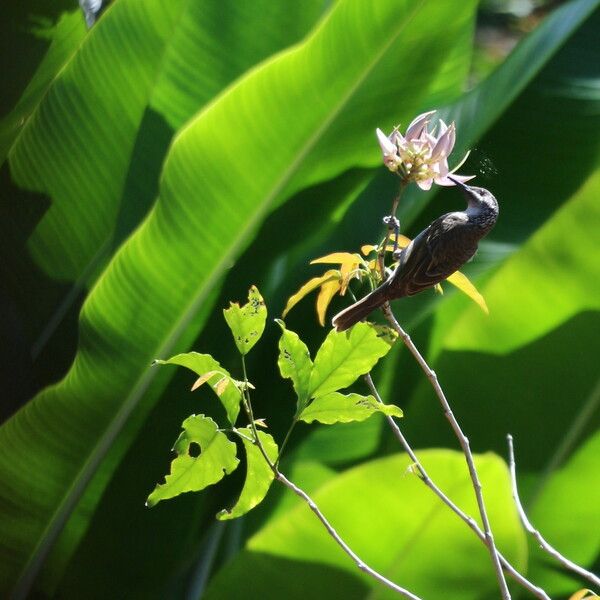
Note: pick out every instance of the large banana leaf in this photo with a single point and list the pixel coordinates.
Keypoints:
(225, 171)
(167, 57)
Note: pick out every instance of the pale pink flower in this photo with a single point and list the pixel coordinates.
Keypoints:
(419, 155)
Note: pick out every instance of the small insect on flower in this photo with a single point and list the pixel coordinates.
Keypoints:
(421, 156)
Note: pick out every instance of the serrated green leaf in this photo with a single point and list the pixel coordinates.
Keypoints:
(294, 362)
(259, 474)
(217, 458)
(345, 408)
(201, 364)
(247, 322)
(345, 356)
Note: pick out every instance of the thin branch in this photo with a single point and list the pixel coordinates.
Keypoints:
(334, 534)
(424, 477)
(464, 443)
(250, 414)
(299, 492)
(285, 440)
(565, 562)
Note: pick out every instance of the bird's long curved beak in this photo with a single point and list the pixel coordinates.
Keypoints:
(460, 184)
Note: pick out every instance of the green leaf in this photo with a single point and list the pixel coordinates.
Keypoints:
(566, 514)
(190, 473)
(259, 474)
(396, 525)
(140, 59)
(230, 396)
(65, 36)
(345, 356)
(294, 363)
(340, 408)
(247, 322)
(156, 294)
(548, 281)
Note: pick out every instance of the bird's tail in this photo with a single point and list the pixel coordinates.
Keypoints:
(359, 310)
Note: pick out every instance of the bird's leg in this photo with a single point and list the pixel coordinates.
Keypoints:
(393, 224)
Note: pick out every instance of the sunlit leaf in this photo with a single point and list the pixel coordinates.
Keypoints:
(308, 287)
(348, 271)
(201, 364)
(326, 293)
(191, 473)
(247, 322)
(340, 408)
(568, 492)
(345, 356)
(204, 378)
(550, 279)
(340, 258)
(584, 594)
(403, 241)
(259, 474)
(295, 363)
(397, 525)
(462, 282)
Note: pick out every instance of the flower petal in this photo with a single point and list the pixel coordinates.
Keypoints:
(443, 145)
(461, 163)
(387, 146)
(445, 181)
(425, 184)
(417, 125)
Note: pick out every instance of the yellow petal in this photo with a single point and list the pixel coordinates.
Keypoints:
(309, 286)
(348, 271)
(583, 595)
(462, 282)
(403, 241)
(336, 258)
(328, 291)
(204, 378)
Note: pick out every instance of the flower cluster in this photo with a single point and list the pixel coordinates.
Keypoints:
(419, 155)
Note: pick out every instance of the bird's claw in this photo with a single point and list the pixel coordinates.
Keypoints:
(393, 224)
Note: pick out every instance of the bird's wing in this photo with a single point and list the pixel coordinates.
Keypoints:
(434, 254)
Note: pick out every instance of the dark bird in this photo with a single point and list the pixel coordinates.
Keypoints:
(437, 252)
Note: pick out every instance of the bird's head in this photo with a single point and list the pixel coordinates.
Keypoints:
(477, 197)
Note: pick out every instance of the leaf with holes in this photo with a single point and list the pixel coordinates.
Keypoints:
(247, 322)
(259, 474)
(295, 363)
(340, 408)
(204, 364)
(191, 473)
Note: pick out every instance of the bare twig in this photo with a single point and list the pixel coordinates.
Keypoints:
(565, 562)
(424, 477)
(247, 404)
(464, 443)
(334, 534)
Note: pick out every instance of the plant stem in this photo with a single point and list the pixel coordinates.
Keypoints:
(382, 249)
(285, 439)
(424, 477)
(464, 443)
(565, 562)
(250, 414)
(299, 492)
(334, 534)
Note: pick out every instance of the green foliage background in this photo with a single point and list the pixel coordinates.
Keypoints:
(157, 165)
